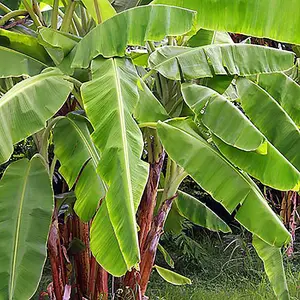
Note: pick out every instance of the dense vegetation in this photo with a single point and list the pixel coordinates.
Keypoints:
(124, 120)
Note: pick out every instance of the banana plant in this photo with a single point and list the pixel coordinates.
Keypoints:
(121, 134)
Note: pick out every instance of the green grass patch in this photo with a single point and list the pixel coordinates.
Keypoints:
(220, 268)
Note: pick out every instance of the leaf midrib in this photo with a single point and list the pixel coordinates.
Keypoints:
(125, 148)
(17, 232)
(123, 128)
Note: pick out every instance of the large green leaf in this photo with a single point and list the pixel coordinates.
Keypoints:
(220, 179)
(26, 202)
(25, 44)
(57, 44)
(132, 27)
(274, 19)
(171, 276)
(148, 108)
(207, 61)
(271, 119)
(223, 118)
(285, 91)
(198, 213)
(101, 12)
(79, 159)
(271, 169)
(110, 99)
(272, 259)
(15, 64)
(26, 107)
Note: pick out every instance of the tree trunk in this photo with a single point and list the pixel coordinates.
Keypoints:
(151, 244)
(82, 259)
(56, 258)
(98, 282)
(148, 202)
(293, 221)
(93, 278)
(102, 284)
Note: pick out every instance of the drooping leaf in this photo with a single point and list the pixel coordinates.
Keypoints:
(148, 108)
(14, 64)
(110, 99)
(221, 180)
(57, 44)
(198, 213)
(132, 27)
(272, 19)
(207, 61)
(172, 277)
(26, 202)
(275, 124)
(101, 11)
(223, 118)
(26, 107)
(206, 37)
(271, 169)
(272, 259)
(25, 44)
(285, 91)
(79, 159)
(166, 255)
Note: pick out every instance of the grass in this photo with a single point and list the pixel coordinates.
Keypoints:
(202, 291)
(222, 289)
(220, 267)
(228, 268)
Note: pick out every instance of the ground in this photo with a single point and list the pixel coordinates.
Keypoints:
(220, 267)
